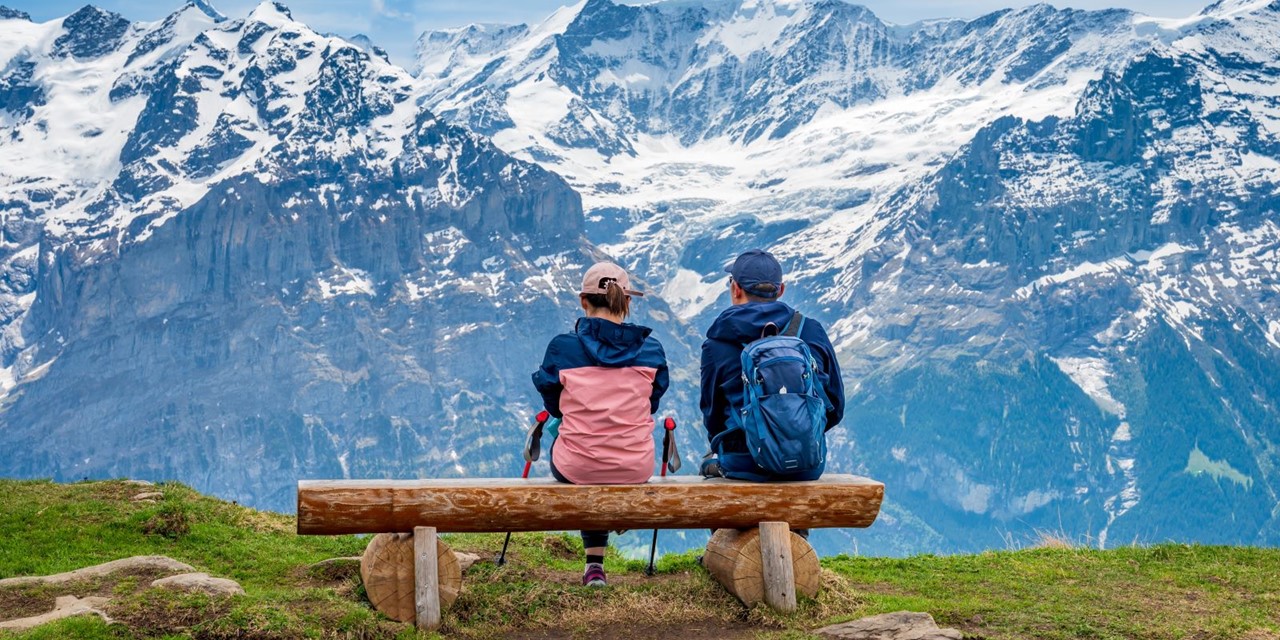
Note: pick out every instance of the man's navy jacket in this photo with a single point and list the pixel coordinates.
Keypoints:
(722, 365)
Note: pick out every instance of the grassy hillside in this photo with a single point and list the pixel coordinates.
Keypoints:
(1168, 591)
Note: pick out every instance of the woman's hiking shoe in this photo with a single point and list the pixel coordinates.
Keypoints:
(594, 575)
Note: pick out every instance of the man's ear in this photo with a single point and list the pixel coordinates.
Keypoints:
(782, 288)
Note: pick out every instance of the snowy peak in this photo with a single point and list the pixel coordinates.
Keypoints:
(90, 32)
(602, 75)
(186, 103)
(1233, 8)
(13, 14)
(439, 52)
(272, 13)
(207, 9)
(366, 44)
(174, 33)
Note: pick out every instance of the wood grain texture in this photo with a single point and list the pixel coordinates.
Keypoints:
(425, 581)
(387, 569)
(733, 559)
(483, 505)
(775, 559)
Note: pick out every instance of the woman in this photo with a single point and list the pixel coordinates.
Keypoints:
(604, 381)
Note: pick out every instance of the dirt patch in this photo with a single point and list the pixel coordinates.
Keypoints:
(328, 572)
(114, 491)
(343, 578)
(559, 547)
(157, 612)
(33, 600)
(1260, 634)
(24, 602)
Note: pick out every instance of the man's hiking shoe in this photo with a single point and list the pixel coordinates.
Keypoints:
(594, 575)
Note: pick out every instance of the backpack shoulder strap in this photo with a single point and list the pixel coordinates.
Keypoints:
(794, 326)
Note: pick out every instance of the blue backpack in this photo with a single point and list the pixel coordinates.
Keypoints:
(784, 411)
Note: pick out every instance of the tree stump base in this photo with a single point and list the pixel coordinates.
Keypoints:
(734, 559)
(387, 568)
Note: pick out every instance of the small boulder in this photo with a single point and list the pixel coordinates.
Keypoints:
(150, 496)
(465, 560)
(902, 625)
(200, 583)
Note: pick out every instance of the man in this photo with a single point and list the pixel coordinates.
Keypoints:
(755, 285)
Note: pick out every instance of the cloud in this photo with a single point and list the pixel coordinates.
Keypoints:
(401, 10)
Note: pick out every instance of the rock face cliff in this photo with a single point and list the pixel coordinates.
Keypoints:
(262, 260)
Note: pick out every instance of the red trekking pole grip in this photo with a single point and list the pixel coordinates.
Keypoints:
(669, 424)
(543, 416)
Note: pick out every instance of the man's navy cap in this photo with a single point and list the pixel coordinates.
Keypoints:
(756, 267)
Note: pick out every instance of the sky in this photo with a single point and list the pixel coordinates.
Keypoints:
(395, 24)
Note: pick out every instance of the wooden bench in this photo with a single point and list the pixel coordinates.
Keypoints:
(753, 553)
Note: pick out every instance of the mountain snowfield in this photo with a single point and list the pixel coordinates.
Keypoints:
(816, 108)
(237, 252)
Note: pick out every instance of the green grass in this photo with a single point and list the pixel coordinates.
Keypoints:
(1168, 591)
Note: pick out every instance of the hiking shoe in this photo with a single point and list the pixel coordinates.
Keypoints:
(594, 575)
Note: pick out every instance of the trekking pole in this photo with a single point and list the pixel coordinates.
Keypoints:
(668, 461)
(532, 449)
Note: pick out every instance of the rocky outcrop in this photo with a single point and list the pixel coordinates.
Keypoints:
(13, 14)
(200, 583)
(134, 564)
(903, 625)
(90, 32)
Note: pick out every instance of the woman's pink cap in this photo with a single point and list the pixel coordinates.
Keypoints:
(601, 273)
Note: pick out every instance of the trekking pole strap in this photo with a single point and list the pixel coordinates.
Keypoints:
(670, 452)
(533, 441)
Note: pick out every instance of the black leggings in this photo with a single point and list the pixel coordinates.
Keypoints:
(589, 538)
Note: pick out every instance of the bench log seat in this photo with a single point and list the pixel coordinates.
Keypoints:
(497, 505)
(755, 555)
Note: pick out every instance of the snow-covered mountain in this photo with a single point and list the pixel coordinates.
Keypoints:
(1045, 239)
(763, 114)
(239, 253)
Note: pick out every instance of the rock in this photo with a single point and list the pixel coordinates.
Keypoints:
(902, 625)
(65, 607)
(140, 483)
(150, 496)
(136, 563)
(200, 583)
(465, 560)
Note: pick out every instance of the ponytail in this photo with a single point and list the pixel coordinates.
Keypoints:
(618, 300)
(614, 298)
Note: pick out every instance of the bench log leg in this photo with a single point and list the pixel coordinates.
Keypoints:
(735, 559)
(426, 578)
(778, 569)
